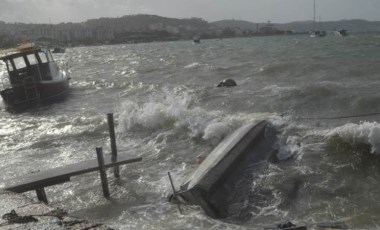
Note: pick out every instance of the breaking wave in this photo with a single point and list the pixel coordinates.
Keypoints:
(169, 110)
(367, 133)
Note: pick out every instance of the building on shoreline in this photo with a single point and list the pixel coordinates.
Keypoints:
(126, 29)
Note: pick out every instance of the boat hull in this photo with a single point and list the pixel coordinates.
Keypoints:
(18, 98)
(341, 33)
(213, 184)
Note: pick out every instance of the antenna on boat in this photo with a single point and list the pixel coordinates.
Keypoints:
(174, 193)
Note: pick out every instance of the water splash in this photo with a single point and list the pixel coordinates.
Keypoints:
(363, 133)
(167, 109)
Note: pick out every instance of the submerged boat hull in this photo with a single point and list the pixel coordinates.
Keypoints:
(210, 185)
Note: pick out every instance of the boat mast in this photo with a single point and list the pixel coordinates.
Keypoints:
(314, 25)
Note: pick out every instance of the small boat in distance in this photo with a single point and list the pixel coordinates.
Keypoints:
(33, 77)
(58, 50)
(318, 34)
(341, 33)
(196, 40)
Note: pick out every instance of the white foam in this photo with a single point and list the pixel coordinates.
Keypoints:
(160, 110)
(197, 65)
(193, 65)
(215, 132)
(288, 147)
(171, 110)
(365, 132)
(275, 90)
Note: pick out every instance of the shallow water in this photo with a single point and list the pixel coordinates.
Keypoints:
(168, 110)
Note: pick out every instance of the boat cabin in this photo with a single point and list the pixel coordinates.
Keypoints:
(37, 64)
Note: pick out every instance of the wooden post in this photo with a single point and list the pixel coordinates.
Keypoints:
(102, 171)
(174, 193)
(111, 128)
(41, 195)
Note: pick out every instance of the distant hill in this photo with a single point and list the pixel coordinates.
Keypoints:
(246, 25)
(143, 21)
(355, 25)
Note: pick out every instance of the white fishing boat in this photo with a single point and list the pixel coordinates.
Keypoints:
(341, 33)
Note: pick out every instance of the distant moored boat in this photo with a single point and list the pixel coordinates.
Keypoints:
(196, 40)
(341, 33)
(316, 33)
(58, 50)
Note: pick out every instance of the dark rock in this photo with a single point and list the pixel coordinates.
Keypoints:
(227, 83)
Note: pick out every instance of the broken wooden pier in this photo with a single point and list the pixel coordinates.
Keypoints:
(54, 176)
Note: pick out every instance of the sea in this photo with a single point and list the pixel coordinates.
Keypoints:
(321, 95)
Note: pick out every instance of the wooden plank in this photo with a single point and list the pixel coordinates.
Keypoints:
(62, 174)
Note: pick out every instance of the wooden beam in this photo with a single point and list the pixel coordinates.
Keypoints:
(62, 174)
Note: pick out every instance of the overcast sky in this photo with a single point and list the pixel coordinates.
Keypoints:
(278, 11)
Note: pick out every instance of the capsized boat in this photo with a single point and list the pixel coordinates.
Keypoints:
(33, 77)
(212, 184)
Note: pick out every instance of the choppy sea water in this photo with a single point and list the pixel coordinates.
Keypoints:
(168, 110)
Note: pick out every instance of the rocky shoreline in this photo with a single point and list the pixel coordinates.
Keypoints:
(20, 212)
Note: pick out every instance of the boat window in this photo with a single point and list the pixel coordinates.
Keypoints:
(43, 57)
(50, 57)
(19, 62)
(9, 65)
(32, 59)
